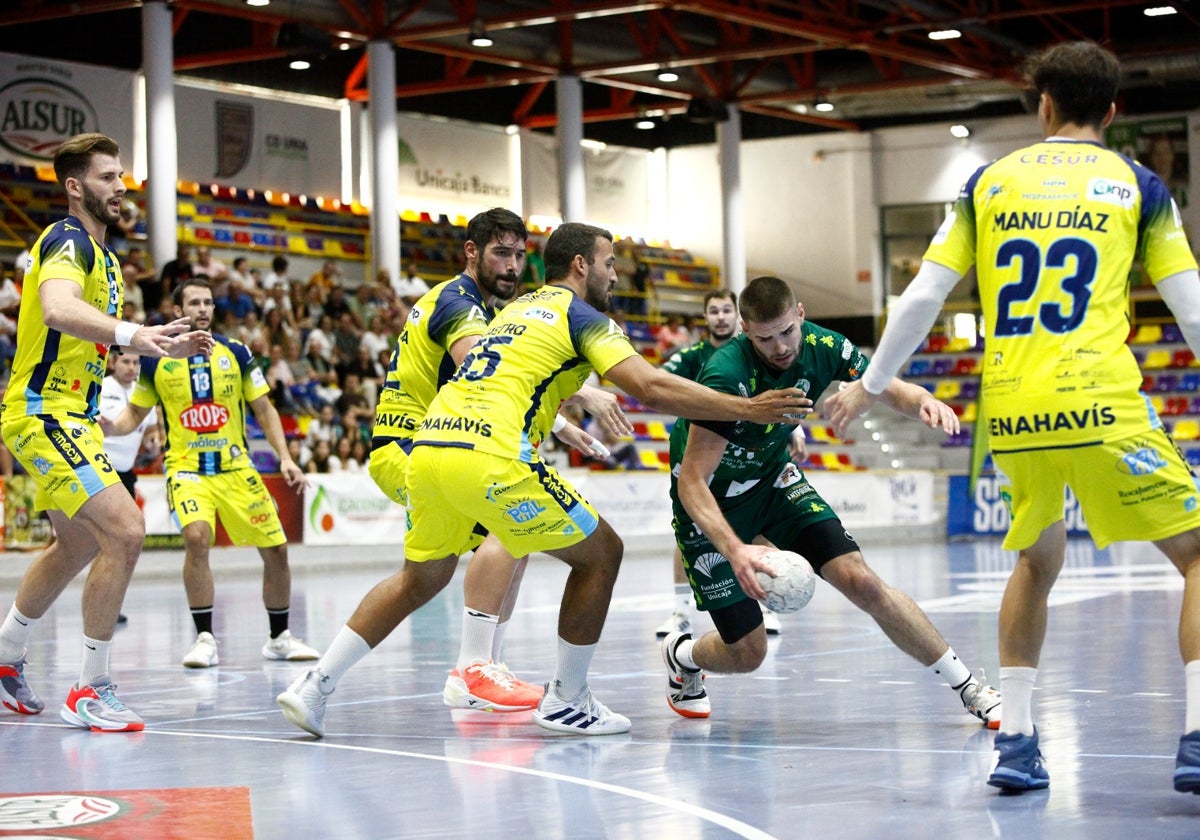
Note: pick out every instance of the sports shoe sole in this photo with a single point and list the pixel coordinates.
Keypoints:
(296, 712)
(73, 719)
(1012, 780)
(456, 696)
(1187, 780)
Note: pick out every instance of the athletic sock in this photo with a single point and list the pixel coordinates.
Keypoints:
(478, 634)
(346, 649)
(951, 669)
(15, 633)
(1016, 687)
(95, 660)
(570, 672)
(683, 654)
(278, 619)
(1191, 673)
(498, 641)
(202, 618)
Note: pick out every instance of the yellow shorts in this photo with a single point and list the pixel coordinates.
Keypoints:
(453, 491)
(240, 498)
(388, 467)
(63, 455)
(1137, 488)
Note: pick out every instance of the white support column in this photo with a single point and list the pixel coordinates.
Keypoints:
(572, 185)
(162, 155)
(733, 218)
(385, 159)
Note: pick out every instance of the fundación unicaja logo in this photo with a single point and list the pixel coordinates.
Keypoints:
(37, 115)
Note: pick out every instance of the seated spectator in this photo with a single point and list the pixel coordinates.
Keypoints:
(342, 459)
(145, 279)
(363, 306)
(279, 378)
(277, 277)
(279, 330)
(250, 330)
(322, 454)
(211, 268)
(368, 370)
(329, 277)
(623, 453)
(672, 336)
(320, 340)
(324, 427)
(376, 338)
(300, 453)
(346, 339)
(354, 407)
(410, 288)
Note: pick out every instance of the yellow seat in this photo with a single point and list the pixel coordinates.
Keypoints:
(970, 413)
(1157, 402)
(947, 389)
(1186, 430)
(651, 461)
(1157, 360)
(1147, 334)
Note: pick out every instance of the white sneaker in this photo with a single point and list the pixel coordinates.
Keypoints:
(203, 653)
(679, 622)
(583, 714)
(287, 647)
(303, 702)
(770, 621)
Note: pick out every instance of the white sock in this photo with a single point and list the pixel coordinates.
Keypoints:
(1016, 687)
(683, 653)
(95, 660)
(951, 669)
(346, 649)
(570, 672)
(15, 633)
(1191, 673)
(683, 597)
(478, 635)
(498, 641)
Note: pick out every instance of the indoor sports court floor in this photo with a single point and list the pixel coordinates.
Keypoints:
(838, 735)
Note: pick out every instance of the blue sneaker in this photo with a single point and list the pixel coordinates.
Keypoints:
(1187, 764)
(1019, 763)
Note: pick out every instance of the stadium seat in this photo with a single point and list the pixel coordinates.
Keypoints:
(1167, 383)
(1183, 358)
(1157, 359)
(1171, 334)
(1147, 334)
(1193, 457)
(1186, 429)
(1189, 382)
(918, 367)
(947, 389)
(970, 412)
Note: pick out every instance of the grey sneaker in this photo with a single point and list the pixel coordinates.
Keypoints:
(15, 693)
(96, 706)
(685, 686)
(303, 703)
(583, 714)
(203, 653)
(981, 700)
(290, 648)
(770, 621)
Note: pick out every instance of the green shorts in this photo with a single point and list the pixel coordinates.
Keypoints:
(779, 510)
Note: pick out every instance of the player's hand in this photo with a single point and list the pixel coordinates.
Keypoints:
(171, 339)
(106, 425)
(606, 408)
(786, 405)
(746, 560)
(850, 402)
(581, 441)
(293, 475)
(936, 413)
(798, 446)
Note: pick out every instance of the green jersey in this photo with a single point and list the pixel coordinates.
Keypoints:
(689, 361)
(755, 453)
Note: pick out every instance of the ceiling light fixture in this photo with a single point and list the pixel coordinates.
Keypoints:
(824, 106)
(666, 74)
(960, 131)
(299, 64)
(1159, 11)
(644, 124)
(478, 35)
(258, 2)
(944, 35)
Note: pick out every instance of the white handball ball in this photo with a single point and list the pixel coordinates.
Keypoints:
(794, 582)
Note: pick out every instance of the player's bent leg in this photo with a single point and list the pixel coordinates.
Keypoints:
(115, 525)
(594, 565)
(394, 599)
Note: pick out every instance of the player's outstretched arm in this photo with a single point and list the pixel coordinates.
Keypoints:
(915, 402)
(581, 441)
(673, 394)
(700, 460)
(124, 423)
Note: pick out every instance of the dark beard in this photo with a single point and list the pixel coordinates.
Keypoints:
(98, 209)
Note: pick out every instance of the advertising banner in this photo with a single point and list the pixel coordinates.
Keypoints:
(434, 172)
(986, 513)
(348, 509)
(44, 101)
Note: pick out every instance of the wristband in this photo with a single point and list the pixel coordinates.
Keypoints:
(560, 423)
(124, 333)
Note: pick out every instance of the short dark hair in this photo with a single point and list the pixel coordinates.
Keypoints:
(721, 294)
(765, 299)
(569, 240)
(73, 157)
(488, 225)
(279, 264)
(177, 295)
(1080, 76)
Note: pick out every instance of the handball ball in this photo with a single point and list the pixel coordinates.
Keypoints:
(793, 584)
(129, 210)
